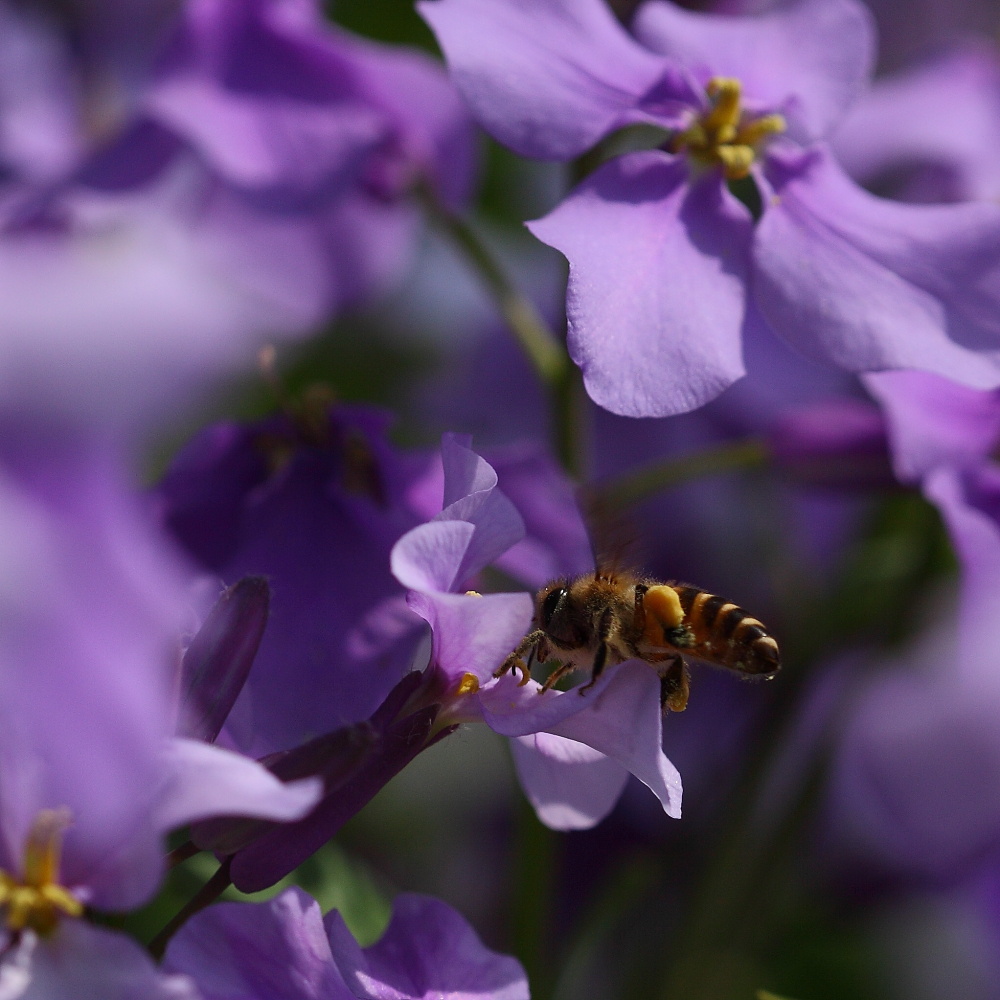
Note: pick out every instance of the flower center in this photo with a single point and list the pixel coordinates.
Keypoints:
(725, 135)
(37, 900)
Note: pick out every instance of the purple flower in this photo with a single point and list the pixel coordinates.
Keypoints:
(934, 423)
(929, 133)
(917, 784)
(91, 776)
(316, 508)
(182, 222)
(334, 657)
(285, 950)
(313, 141)
(839, 442)
(666, 265)
(570, 785)
(918, 774)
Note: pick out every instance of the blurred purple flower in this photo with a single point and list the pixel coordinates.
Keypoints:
(934, 423)
(916, 787)
(570, 786)
(229, 173)
(285, 950)
(917, 781)
(929, 133)
(662, 255)
(90, 775)
(315, 507)
(839, 442)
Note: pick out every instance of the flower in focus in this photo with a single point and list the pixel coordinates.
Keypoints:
(666, 264)
(91, 774)
(573, 753)
(285, 950)
(330, 690)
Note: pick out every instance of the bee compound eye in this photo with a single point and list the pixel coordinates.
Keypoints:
(549, 606)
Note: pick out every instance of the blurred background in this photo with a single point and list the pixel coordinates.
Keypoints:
(819, 856)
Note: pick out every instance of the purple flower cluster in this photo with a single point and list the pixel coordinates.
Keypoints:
(220, 175)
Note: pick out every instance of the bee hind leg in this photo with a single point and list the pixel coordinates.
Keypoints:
(673, 685)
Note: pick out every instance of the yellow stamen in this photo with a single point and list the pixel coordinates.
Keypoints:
(726, 111)
(724, 136)
(36, 900)
(469, 684)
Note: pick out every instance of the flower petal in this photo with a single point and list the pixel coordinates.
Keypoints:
(619, 716)
(656, 289)
(429, 557)
(624, 721)
(471, 494)
(571, 786)
(933, 421)
(969, 502)
(473, 635)
(546, 77)
(785, 59)
(428, 952)
(203, 781)
(870, 284)
(80, 960)
(942, 115)
(277, 950)
(513, 709)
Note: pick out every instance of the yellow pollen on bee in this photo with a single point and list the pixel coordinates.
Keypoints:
(724, 135)
(36, 900)
(473, 593)
(664, 605)
(469, 684)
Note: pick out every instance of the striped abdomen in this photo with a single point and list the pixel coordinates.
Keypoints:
(726, 635)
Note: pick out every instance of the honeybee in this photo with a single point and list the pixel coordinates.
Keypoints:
(608, 616)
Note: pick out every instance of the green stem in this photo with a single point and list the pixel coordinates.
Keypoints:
(634, 487)
(732, 912)
(205, 896)
(180, 854)
(534, 889)
(540, 344)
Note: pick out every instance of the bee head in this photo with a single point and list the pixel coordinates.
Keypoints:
(549, 601)
(557, 615)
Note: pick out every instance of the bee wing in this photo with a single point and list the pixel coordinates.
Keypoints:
(613, 535)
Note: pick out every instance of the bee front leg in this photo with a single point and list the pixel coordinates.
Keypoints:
(673, 685)
(516, 662)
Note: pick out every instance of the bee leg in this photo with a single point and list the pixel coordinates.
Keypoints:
(639, 614)
(557, 675)
(674, 685)
(600, 662)
(515, 661)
